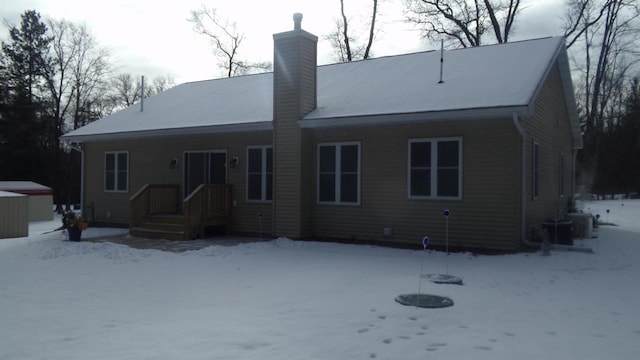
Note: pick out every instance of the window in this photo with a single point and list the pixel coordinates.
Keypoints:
(204, 167)
(339, 173)
(116, 171)
(260, 173)
(535, 172)
(435, 168)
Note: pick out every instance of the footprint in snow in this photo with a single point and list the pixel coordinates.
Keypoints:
(387, 341)
(483, 347)
(435, 346)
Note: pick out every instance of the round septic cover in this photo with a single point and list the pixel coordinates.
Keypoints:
(424, 300)
(444, 279)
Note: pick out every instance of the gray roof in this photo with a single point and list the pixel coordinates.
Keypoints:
(494, 80)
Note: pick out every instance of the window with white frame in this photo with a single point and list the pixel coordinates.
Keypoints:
(116, 171)
(339, 173)
(435, 168)
(260, 173)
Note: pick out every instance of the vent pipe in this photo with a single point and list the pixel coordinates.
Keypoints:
(441, 60)
(297, 21)
(142, 94)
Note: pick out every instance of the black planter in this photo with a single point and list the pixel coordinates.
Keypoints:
(75, 234)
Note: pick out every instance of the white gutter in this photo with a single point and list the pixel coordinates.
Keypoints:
(312, 121)
(523, 181)
(79, 136)
(78, 147)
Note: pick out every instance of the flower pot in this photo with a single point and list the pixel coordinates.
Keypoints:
(74, 234)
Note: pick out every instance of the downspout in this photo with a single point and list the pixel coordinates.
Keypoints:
(523, 181)
(78, 147)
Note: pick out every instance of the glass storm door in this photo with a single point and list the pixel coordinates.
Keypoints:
(208, 167)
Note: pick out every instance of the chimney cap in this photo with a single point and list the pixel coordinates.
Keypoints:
(297, 21)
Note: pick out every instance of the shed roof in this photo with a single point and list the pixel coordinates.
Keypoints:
(25, 187)
(6, 194)
(477, 82)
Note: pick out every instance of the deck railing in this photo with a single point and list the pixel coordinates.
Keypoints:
(209, 204)
(153, 199)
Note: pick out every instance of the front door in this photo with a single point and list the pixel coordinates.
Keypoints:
(204, 167)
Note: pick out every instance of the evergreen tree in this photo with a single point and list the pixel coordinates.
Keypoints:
(21, 125)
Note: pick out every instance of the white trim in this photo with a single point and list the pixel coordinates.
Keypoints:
(115, 172)
(338, 146)
(434, 167)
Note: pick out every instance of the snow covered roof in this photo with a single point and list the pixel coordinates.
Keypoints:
(494, 80)
(6, 194)
(24, 187)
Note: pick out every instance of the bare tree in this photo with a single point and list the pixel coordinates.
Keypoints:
(463, 22)
(606, 35)
(77, 66)
(226, 40)
(372, 26)
(126, 89)
(162, 83)
(603, 36)
(345, 45)
(90, 77)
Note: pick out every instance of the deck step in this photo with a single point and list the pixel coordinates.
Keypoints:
(148, 233)
(177, 219)
(160, 226)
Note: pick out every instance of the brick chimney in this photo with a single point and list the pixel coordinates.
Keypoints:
(294, 96)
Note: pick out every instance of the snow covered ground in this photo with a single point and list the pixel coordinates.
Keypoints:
(307, 300)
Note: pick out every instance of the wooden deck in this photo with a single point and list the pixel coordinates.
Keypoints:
(156, 211)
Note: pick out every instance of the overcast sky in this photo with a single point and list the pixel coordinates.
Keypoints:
(154, 38)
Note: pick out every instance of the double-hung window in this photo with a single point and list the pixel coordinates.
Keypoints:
(339, 173)
(435, 168)
(260, 173)
(116, 171)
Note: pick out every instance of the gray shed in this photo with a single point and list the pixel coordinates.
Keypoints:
(40, 198)
(14, 210)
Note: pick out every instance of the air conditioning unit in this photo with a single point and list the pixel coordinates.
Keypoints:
(582, 225)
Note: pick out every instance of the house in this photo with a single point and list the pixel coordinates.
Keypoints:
(370, 151)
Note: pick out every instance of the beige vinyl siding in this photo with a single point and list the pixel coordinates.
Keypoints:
(550, 128)
(294, 96)
(14, 215)
(486, 215)
(149, 164)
